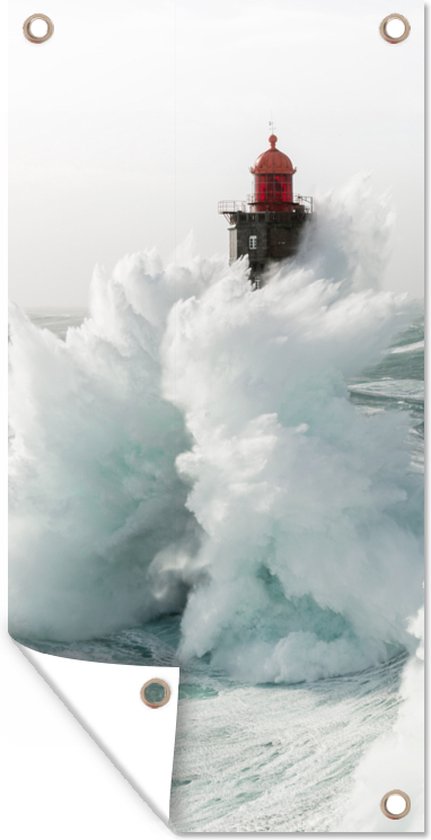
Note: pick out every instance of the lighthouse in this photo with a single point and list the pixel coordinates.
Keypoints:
(267, 227)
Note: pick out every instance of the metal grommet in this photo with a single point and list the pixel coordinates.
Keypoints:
(394, 809)
(155, 693)
(28, 32)
(394, 39)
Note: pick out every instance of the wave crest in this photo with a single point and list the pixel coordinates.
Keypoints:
(192, 447)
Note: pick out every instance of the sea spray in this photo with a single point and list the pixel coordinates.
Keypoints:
(305, 503)
(193, 448)
(94, 491)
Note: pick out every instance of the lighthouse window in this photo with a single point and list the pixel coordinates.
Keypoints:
(252, 243)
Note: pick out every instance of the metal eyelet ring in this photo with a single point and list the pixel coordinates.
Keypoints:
(385, 805)
(155, 693)
(28, 32)
(394, 39)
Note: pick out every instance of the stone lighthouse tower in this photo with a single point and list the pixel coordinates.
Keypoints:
(268, 225)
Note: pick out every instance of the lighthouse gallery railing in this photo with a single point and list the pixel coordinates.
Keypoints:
(227, 207)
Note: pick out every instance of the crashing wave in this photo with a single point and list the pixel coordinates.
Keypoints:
(192, 448)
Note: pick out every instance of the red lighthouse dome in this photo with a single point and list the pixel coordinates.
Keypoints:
(273, 180)
(273, 161)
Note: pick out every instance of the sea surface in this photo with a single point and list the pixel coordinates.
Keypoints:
(272, 757)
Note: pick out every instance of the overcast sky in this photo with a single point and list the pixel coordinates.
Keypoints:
(137, 117)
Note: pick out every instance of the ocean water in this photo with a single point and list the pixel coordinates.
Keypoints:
(231, 481)
(265, 758)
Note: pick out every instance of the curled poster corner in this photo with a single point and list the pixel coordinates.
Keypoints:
(105, 699)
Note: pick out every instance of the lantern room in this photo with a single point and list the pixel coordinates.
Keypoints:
(273, 180)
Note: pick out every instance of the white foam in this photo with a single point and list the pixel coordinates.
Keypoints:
(408, 348)
(196, 437)
(395, 761)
